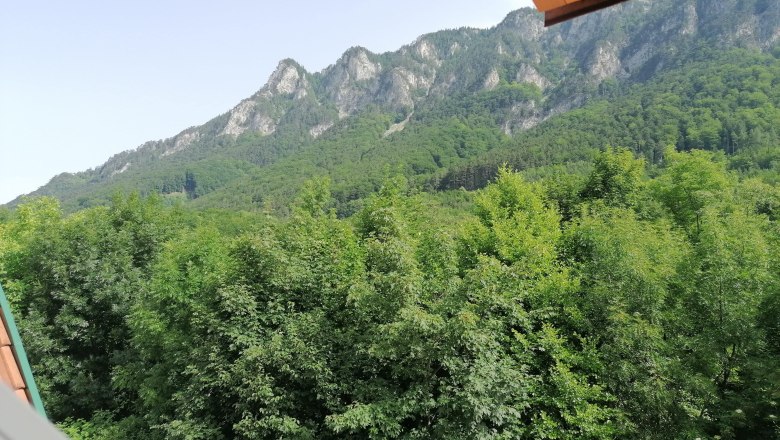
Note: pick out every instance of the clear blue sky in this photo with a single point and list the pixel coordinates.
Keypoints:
(83, 80)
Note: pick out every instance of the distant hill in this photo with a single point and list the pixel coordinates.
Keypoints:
(446, 109)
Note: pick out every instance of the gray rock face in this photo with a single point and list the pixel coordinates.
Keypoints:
(124, 168)
(360, 68)
(527, 74)
(444, 84)
(318, 129)
(262, 123)
(691, 20)
(261, 112)
(288, 79)
(604, 63)
(522, 116)
(238, 118)
(182, 141)
(491, 80)
(397, 89)
(351, 82)
(427, 51)
(399, 126)
(284, 80)
(526, 21)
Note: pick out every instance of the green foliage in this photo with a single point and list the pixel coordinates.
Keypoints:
(731, 278)
(691, 182)
(514, 225)
(74, 280)
(648, 311)
(627, 268)
(616, 178)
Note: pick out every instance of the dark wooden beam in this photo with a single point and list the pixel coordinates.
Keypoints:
(571, 10)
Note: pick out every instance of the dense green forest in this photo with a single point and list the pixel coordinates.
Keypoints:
(626, 302)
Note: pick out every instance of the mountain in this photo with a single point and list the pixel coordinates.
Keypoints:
(452, 102)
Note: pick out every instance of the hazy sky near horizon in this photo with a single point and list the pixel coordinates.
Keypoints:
(83, 80)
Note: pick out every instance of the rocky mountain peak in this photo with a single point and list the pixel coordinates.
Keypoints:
(526, 20)
(288, 78)
(357, 64)
(261, 112)
(352, 81)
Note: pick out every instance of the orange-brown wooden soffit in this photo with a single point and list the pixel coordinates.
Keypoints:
(556, 11)
(10, 373)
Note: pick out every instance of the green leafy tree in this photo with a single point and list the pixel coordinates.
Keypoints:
(513, 224)
(627, 269)
(690, 182)
(616, 178)
(728, 283)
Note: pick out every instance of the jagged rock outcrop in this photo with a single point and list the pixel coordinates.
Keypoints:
(351, 82)
(182, 141)
(318, 129)
(526, 21)
(286, 80)
(527, 74)
(261, 113)
(491, 80)
(522, 116)
(604, 63)
(427, 51)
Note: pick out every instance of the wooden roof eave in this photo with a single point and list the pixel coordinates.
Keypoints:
(13, 354)
(557, 11)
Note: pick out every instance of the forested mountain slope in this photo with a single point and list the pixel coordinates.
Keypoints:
(429, 108)
(728, 101)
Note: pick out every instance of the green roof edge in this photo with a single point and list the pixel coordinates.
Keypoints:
(21, 355)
